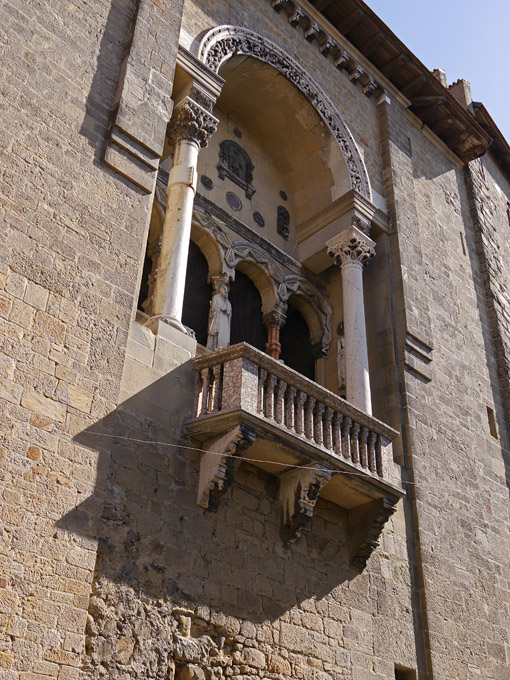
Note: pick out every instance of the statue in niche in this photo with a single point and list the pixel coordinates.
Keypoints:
(236, 165)
(283, 222)
(220, 314)
(341, 364)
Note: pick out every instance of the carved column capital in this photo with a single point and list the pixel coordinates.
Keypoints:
(192, 121)
(352, 245)
(274, 319)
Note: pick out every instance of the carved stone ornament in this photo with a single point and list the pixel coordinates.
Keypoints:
(259, 220)
(274, 319)
(219, 464)
(352, 245)
(283, 222)
(191, 121)
(223, 42)
(365, 527)
(299, 491)
(206, 182)
(236, 165)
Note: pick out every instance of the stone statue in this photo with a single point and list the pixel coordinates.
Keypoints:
(341, 363)
(220, 313)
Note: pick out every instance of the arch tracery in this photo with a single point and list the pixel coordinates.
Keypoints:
(224, 42)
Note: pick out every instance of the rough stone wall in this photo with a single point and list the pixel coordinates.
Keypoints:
(71, 240)
(489, 197)
(460, 505)
(181, 591)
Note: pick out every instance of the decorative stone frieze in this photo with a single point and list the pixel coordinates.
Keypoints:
(299, 492)
(223, 42)
(328, 46)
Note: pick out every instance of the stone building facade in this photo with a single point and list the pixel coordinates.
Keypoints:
(255, 349)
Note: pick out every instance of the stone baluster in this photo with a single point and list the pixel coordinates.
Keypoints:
(328, 428)
(191, 127)
(346, 438)
(352, 249)
(371, 451)
(279, 405)
(378, 456)
(274, 321)
(318, 424)
(309, 409)
(363, 454)
(290, 407)
(355, 443)
(269, 399)
(300, 412)
(203, 405)
(216, 387)
(337, 432)
(260, 391)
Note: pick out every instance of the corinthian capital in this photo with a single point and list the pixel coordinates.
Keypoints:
(192, 121)
(352, 245)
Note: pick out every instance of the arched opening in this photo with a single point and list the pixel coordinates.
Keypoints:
(197, 294)
(296, 344)
(246, 304)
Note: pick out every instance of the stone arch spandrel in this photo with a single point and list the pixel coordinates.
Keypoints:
(224, 42)
(262, 270)
(214, 243)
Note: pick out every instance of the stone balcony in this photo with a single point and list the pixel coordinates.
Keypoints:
(251, 407)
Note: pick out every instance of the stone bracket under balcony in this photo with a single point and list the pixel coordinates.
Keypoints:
(251, 407)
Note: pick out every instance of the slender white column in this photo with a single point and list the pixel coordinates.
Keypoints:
(191, 128)
(351, 249)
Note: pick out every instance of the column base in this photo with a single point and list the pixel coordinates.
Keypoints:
(173, 330)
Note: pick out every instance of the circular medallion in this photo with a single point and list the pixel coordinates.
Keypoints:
(207, 182)
(233, 201)
(283, 195)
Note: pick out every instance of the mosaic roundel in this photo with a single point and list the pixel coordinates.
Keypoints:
(233, 200)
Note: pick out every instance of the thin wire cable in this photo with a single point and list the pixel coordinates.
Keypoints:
(229, 455)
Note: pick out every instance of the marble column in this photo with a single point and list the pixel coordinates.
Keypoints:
(191, 127)
(274, 321)
(351, 249)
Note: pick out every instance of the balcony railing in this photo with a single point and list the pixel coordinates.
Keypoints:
(253, 407)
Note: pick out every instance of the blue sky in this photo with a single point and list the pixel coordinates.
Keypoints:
(468, 38)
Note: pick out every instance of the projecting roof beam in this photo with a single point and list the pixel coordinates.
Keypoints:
(322, 4)
(350, 21)
(394, 65)
(372, 43)
(414, 86)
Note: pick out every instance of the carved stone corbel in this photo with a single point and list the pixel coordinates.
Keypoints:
(299, 491)
(365, 526)
(219, 463)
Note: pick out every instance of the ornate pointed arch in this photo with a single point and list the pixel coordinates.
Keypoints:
(224, 42)
(262, 269)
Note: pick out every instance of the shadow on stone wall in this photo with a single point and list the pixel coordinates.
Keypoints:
(100, 103)
(177, 584)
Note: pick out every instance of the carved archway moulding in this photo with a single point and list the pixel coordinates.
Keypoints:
(224, 42)
(274, 285)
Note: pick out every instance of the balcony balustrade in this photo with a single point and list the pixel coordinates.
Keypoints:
(254, 408)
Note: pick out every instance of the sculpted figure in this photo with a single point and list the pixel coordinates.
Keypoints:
(220, 313)
(341, 363)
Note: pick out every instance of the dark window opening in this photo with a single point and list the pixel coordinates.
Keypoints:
(197, 294)
(296, 345)
(402, 673)
(144, 285)
(246, 324)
